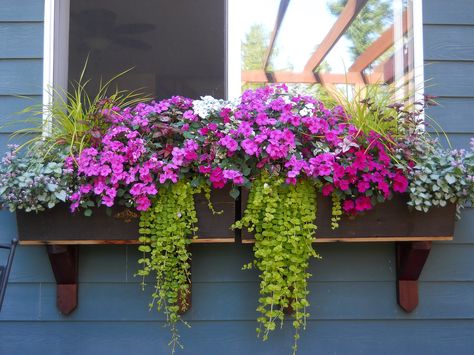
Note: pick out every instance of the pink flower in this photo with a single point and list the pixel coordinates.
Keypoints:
(400, 183)
(189, 115)
(229, 143)
(205, 169)
(327, 189)
(143, 203)
(234, 175)
(363, 203)
(217, 178)
(363, 186)
(249, 146)
(245, 129)
(348, 206)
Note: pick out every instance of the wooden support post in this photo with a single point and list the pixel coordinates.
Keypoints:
(64, 262)
(411, 257)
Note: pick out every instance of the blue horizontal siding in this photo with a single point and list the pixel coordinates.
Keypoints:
(21, 76)
(449, 43)
(21, 10)
(21, 40)
(454, 12)
(232, 301)
(409, 337)
(450, 79)
(10, 119)
(454, 114)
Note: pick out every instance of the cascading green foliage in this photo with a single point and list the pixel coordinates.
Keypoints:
(164, 233)
(336, 211)
(282, 219)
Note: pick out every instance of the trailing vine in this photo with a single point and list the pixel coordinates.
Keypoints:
(282, 219)
(164, 233)
(336, 211)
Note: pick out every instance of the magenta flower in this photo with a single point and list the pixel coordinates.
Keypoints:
(249, 146)
(229, 143)
(363, 203)
(400, 183)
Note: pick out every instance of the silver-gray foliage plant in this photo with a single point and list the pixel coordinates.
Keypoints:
(441, 177)
(34, 181)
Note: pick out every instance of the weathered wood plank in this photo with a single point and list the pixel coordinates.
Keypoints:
(457, 12)
(21, 10)
(21, 40)
(21, 76)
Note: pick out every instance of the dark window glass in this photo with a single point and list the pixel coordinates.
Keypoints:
(177, 47)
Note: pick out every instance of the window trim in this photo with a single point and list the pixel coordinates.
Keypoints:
(56, 49)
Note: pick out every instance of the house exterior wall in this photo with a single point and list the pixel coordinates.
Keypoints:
(354, 309)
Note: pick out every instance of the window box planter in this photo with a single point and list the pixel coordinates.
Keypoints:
(59, 226)
(391, 221)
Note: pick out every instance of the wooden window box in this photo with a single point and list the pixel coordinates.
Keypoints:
(391, 221)
(59, 226)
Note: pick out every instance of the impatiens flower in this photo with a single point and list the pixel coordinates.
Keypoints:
(348, 206)
(249, 146)
(363, 203)
(363, 186)
(245, 129)
(189, 115)
(400, 183)
(143, 203)
(229, 143)
(234, 175)
(327, 189)
(217, 178)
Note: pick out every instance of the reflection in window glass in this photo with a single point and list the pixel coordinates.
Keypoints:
(326, 44)
(175, 47)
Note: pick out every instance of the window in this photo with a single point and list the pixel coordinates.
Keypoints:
(328, 44)
(219, 48)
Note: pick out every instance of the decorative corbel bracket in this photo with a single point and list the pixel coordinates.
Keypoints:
(64, 262)
(411, 257)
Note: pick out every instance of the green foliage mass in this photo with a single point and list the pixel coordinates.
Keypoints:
(74, 117)
(165, 229)
(282, 219)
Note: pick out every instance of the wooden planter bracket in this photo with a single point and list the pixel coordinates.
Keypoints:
(64, 262)
(411, 257)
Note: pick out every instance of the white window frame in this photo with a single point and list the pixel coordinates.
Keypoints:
(56, 49)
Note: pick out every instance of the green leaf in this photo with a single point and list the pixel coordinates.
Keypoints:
(234, 192)
(450, 179)
(61, 195)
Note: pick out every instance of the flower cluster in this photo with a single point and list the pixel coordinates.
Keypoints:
(293, 136)
(133, 155)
